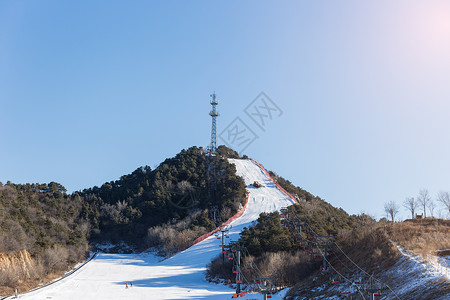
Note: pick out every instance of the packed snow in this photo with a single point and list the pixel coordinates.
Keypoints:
(179, 277)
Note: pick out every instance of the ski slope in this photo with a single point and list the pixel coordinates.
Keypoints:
(179, 277)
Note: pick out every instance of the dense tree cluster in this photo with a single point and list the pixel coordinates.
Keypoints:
(124, 209)
(267, 235)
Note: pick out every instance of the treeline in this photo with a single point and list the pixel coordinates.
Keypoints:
(37, 217)
(46, 222)
(423, 203)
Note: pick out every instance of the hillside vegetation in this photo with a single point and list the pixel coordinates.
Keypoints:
(361, 246)
(273, 248)
(42, 228)
(165, 208)
(177, 190)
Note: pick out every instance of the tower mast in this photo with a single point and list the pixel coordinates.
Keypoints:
(214, 114)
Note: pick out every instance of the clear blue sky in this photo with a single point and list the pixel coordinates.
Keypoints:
(91, 90)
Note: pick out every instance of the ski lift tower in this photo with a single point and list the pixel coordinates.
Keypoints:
(214, 114)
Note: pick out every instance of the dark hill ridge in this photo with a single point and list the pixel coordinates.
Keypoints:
(179, 187)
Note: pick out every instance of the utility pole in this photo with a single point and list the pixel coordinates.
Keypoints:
(266, 286)
(223, 231)
(214, 214)
(373, 290)
(238, 275)
(236, 248)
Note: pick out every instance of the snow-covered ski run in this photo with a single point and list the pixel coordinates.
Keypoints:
(179, 277)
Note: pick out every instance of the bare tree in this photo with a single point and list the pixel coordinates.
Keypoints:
(444, 199)
(391, 208)
(423, 199)
(431, 206)
(411, 205)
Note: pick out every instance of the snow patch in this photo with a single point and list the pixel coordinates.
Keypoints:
(435, 266)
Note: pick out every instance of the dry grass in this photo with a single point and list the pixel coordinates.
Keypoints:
(22, 271)
(421, 236)
(369, 245)
(26, 285)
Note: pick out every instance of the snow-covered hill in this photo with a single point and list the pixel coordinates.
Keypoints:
(179, 277)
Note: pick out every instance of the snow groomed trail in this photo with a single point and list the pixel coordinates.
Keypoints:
(180, 277)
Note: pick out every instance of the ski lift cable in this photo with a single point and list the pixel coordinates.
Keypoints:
(337, 272)
(254, 266)
(379, 281)
(340, 249)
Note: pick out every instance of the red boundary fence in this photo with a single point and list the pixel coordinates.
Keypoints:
(271, 179)
(231, 219)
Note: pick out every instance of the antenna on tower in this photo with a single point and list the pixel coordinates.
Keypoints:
(214, 114)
